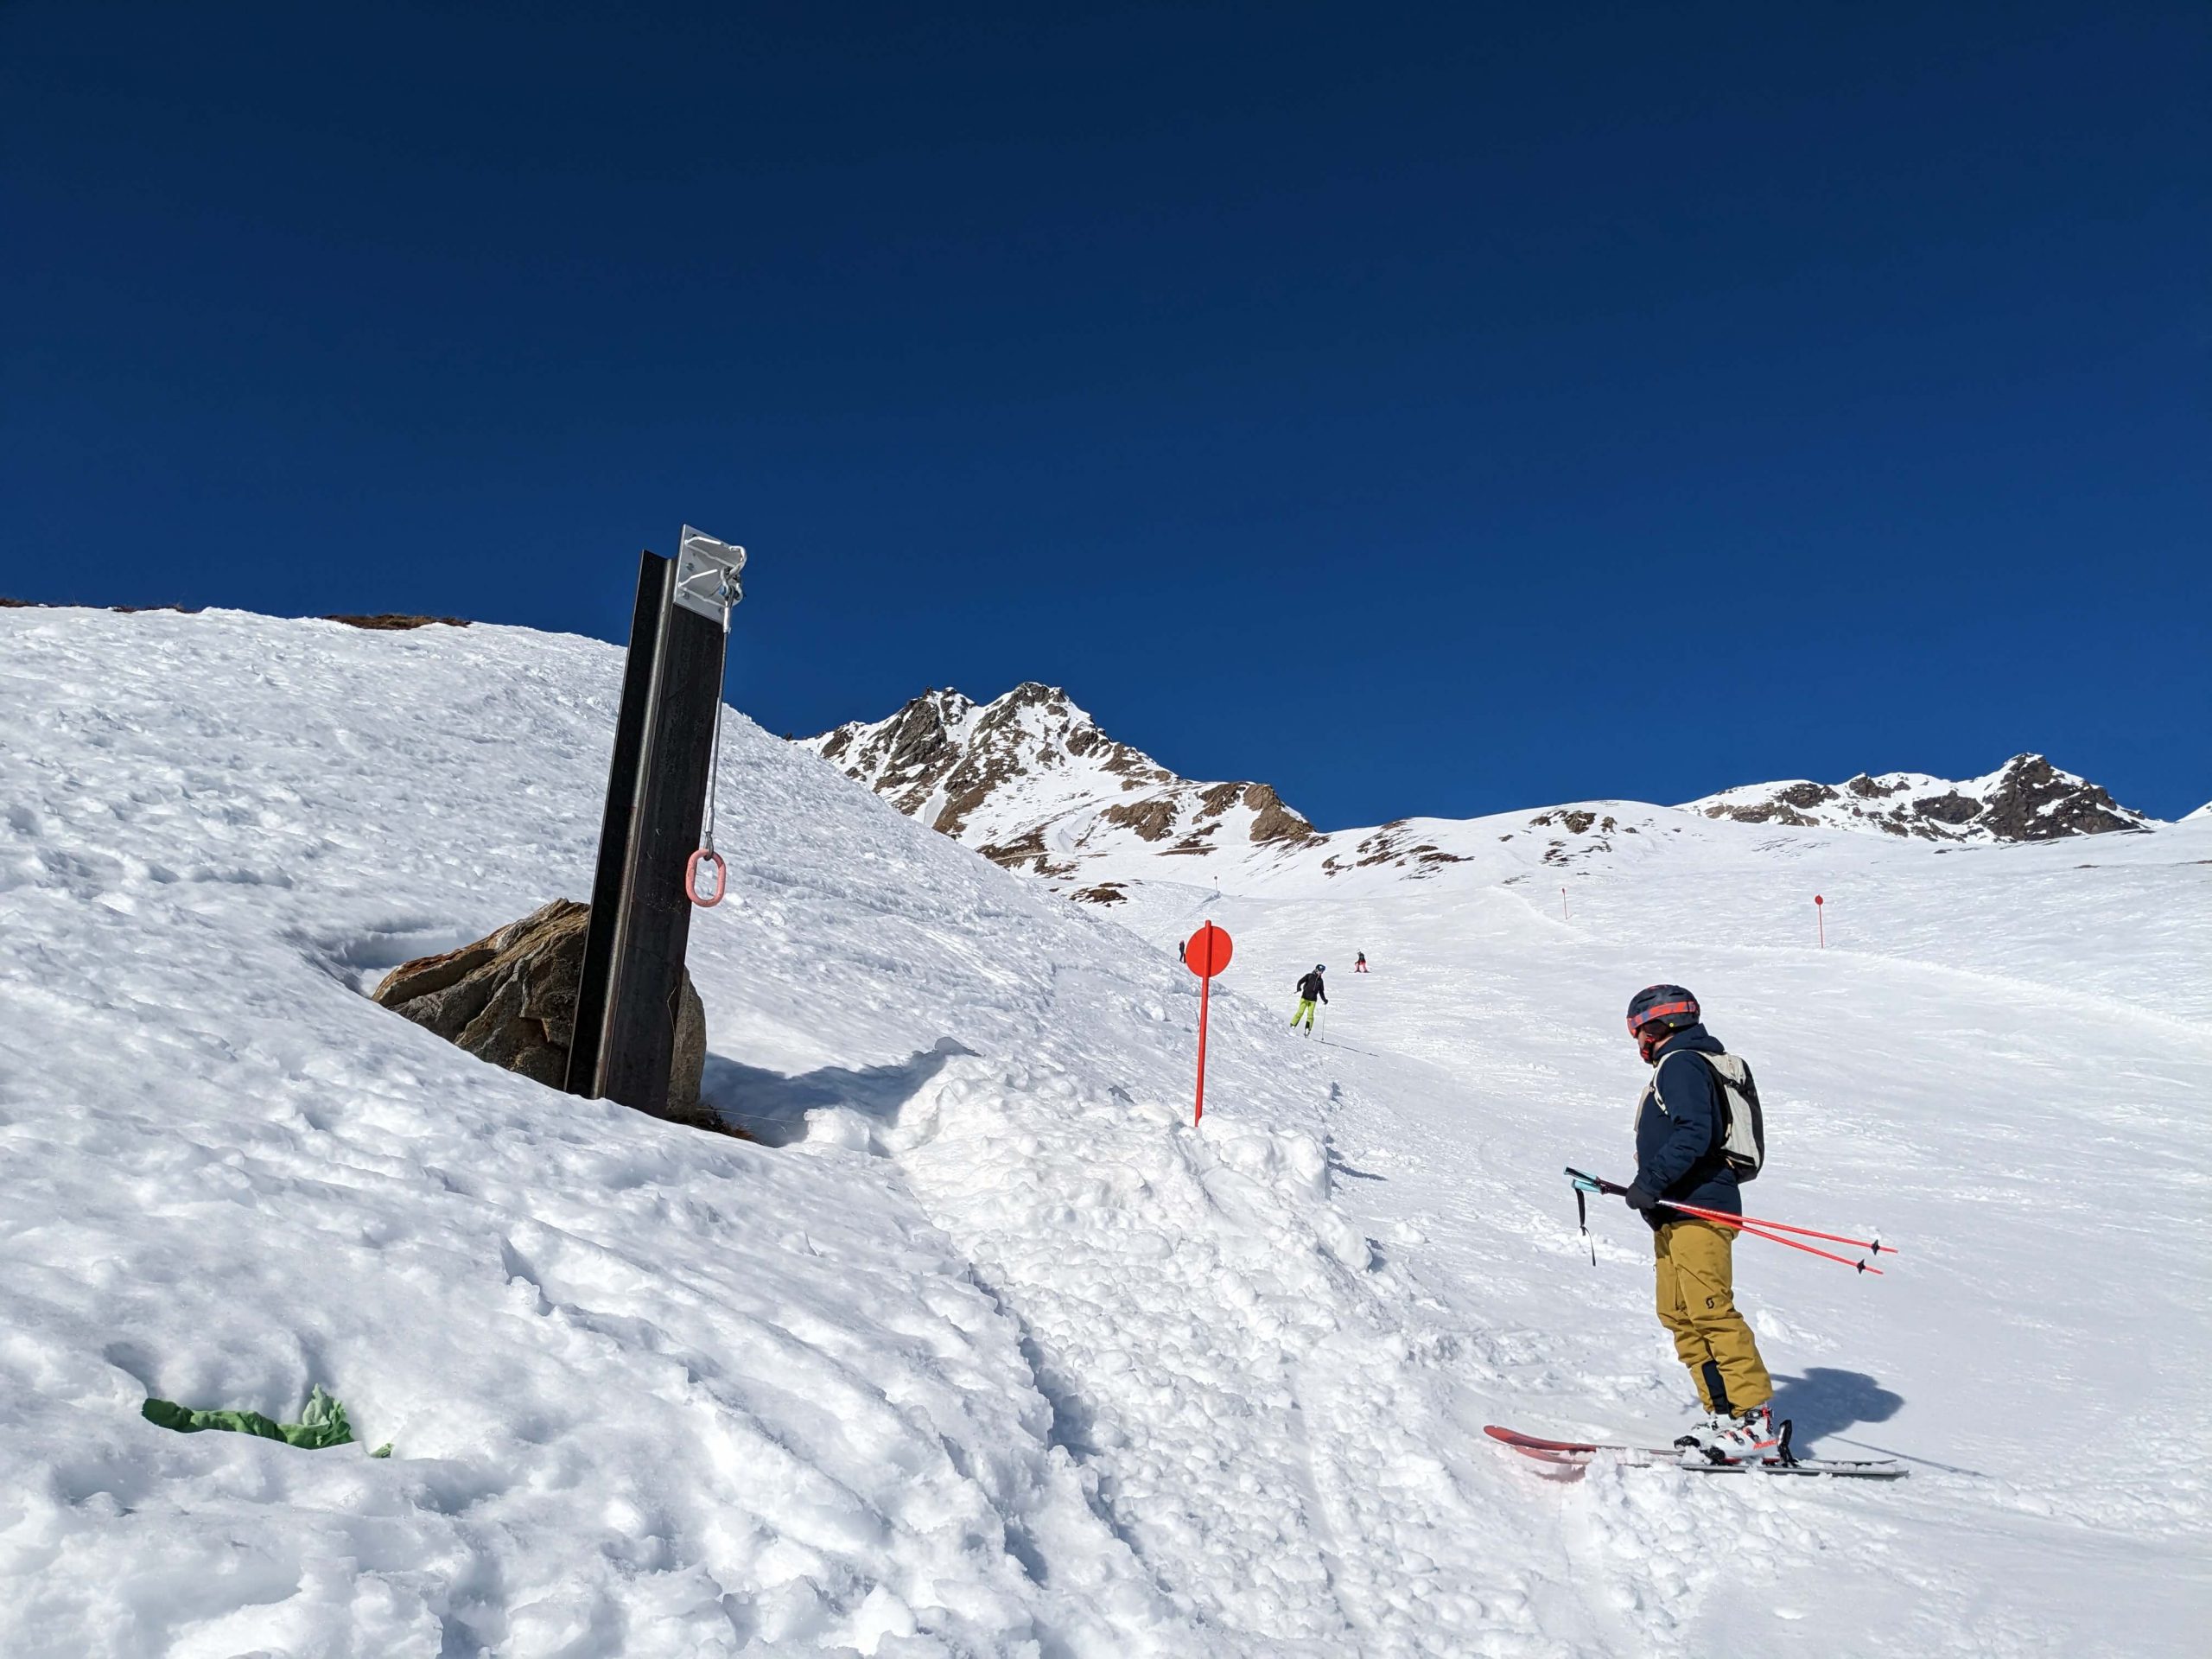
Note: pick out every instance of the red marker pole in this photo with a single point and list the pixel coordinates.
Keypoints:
(1205, 954)
(1206, 1003)
(1819, 919)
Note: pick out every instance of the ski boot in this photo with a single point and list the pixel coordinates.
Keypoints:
(1746, 1437)
(1696, 1437)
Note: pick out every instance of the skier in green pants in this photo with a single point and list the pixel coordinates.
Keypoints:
(1309, 993)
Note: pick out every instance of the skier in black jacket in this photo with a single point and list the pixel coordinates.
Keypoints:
(1681, 1124)
(1309, 993)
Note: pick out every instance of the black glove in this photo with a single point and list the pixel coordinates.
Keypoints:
(1642, 1202)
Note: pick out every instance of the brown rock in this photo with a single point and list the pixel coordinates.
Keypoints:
(1803, 795)
(1219, 798)
(1272, 820)
(511, 998)
(2035, 801)
(124, 610)
(387, 622)
(1774, 811)
(1951, 807)
(1030, 849)
(1152, 818)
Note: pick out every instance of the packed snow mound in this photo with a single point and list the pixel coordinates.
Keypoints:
(2027, 799)
(1031, 781)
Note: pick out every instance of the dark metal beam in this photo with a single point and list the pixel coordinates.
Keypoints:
(656, 926)
(624, 776)
(628, 991)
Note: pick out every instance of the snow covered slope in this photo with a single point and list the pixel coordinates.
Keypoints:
(2027, 799)
(982, 1349)
(1998, 1061)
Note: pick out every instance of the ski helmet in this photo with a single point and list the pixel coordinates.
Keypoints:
(1321, 967)
(1656, 1012)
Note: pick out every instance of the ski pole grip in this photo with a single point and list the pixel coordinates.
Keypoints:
(706, 855)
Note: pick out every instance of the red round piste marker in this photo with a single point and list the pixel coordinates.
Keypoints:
(1205, 954)
(1208, 951)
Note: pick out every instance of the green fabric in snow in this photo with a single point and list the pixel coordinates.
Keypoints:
(322, 1424)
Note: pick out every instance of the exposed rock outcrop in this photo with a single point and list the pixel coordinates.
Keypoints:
(511, 998)
(1031, 782)
(2035, 801)
(2025, 799)
(386, 622)
(383, 621)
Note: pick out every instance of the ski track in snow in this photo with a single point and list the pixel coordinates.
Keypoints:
(985, 1350)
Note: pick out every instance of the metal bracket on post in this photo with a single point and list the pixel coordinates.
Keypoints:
(631, 980)
(707, 575)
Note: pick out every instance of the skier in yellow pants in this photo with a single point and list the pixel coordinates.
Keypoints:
(1697, 1303)
(1683, 1154)
(1309, 991)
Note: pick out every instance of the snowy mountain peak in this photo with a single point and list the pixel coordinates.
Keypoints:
(1030, 780)
(2027, 799)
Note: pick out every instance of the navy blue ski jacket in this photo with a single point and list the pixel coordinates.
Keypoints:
(1680, 1126)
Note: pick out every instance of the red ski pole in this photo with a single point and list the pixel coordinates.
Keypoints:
(1754, 1225)
(1776, 1238)
(1873, 1244)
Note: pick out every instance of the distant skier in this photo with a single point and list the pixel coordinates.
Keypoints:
(1360, 966)
(1309, 993)
(1683, 1151)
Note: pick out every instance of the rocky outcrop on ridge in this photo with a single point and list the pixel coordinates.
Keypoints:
(1031, 782)
(2025, 799)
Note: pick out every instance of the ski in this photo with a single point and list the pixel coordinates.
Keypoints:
(1580, 1454)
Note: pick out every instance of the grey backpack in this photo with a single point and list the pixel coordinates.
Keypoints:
(1743, 1139)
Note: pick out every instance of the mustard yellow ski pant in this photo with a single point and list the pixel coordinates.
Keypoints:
(1303, 1011)
(1697, 1303)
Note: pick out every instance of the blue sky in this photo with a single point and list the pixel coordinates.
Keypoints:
(1426, 409)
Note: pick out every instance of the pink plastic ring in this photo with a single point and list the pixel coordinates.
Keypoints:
(706, 855)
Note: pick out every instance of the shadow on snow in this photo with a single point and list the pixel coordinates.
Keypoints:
(1827, 1401)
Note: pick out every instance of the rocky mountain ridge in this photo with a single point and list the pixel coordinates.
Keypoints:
(1031, 781)
(2027, 799)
